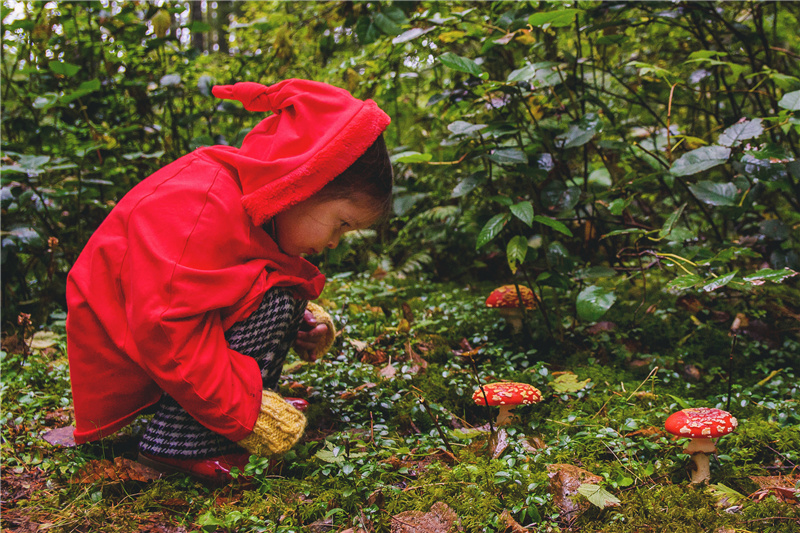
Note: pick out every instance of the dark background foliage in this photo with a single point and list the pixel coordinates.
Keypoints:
(583, 150)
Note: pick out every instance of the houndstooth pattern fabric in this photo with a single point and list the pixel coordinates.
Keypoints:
(266, 335)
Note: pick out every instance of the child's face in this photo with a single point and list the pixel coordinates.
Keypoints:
(312, 225)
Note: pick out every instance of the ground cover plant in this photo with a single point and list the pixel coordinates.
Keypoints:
(632, 164)
(393, 429)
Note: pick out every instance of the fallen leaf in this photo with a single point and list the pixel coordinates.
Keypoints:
(61, 437)
(373, 357)
(118, 470)
(43, 339)
(440, 519)
(350, 394)
(782, 487)
(511, 524)
(565, 480)
(600, 327)
(533, 444)
(598, 496)
(388, 372)
(499, 443)
(725, 495)
(568, 382)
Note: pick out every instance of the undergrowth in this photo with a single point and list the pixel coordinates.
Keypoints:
(382, 443)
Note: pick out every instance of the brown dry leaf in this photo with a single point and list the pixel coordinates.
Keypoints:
(499, 443)
(350, 394)
(652, 431)
(533, 444)
(61, 437)
(420, 364)
(119, 470)
(740, 321)
(511, 525)
(600, 327)
(321, 526)
(388, 372)
(782, 487)
(374, 356)
(440, 519)
(564, 482)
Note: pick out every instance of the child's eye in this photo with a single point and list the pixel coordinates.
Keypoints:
(345, 224)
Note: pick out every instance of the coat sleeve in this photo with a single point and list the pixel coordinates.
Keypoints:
(188, 259)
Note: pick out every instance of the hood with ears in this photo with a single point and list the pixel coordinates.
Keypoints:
(315, 132)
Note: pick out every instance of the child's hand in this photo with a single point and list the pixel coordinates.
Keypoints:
(309, 337)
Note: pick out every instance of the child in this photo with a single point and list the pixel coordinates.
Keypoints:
(190, 293)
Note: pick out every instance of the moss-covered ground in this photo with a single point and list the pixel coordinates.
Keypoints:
(392, 427)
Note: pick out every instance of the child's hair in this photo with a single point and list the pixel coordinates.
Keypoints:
(370, 175)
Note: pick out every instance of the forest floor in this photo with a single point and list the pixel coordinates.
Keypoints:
(395, 442)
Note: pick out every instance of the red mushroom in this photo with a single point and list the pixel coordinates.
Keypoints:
(506, 300)
(507, 395)
(702, 424)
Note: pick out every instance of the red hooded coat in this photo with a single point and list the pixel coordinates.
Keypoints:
(183, 256)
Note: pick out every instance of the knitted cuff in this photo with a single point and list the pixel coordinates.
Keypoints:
(323, 317)
(278, 427)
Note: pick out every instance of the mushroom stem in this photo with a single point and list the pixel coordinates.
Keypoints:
(504, 417)
(700, 448)
(702, 472)
(514, 317)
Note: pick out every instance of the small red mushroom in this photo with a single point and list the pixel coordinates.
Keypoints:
(702, 424)
(506, 300)
(507, 395)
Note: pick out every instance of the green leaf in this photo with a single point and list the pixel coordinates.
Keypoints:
(717, 283)
(469, 183)
(63, 68)
(524, 212)
(766, 274)
(410, 35)
(741, 131)
(580, 133)
(556, 19)
(671, 221)
(682, 283)
(84, 89)
(510, 156)
(555, 224)
(516, 251)
(492, 228)
(617, 206)
(461, 127)
(700, 159)
(593, 302)
(461, 64)
(568, 382)
(790, 101)
(386, 25)
(45, 101)
(599, 496)
(198, 26)
(715, 193)
(411, 157)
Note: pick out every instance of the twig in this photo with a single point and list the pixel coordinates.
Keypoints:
(655, 369)
(424, 403)
(730, 374)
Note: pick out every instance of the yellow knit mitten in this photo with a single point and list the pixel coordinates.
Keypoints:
(278, 427)
(322, 317)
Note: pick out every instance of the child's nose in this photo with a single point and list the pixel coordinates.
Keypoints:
(334, 242)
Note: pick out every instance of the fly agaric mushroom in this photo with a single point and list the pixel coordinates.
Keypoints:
(506, 395)
(701, 424)
(506, 300)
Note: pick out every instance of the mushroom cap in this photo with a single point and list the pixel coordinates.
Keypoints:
(506, 296)
(507, 393)
(702, 422)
